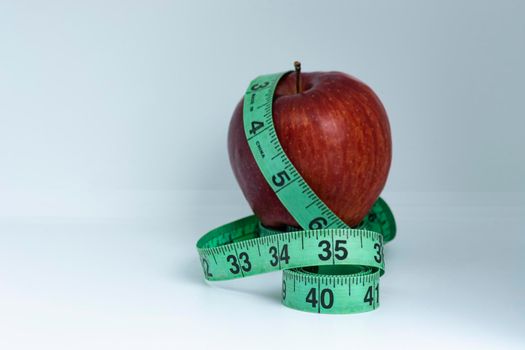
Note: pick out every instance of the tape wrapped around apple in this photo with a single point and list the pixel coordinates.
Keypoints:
(335, 131)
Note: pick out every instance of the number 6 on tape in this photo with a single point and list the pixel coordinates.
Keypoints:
(328, 267)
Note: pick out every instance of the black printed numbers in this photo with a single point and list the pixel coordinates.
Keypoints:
(326, 298)
(283, 256)
(247, 266)
(275, 260)
(256, 126)
(206, 268)
(340, 250)
(317, 223)
(327, 252)
(258, 86)
(235, 269)
(280, 178)
(311, 297)
(379, 250)
(369, 296)
(244, 259)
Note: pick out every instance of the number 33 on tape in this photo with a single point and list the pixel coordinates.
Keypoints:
(328, 267)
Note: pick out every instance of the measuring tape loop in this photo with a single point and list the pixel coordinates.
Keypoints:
(328, 267)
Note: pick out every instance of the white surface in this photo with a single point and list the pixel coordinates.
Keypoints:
(121, 272)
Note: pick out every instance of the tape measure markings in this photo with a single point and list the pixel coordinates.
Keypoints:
(289, 247)
(279, 172)
(333, 270)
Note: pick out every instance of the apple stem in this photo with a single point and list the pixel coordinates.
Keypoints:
(298, 85)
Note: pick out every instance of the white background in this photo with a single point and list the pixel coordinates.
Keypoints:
(113, 121)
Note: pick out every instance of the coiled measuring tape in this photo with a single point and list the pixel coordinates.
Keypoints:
(328, 267)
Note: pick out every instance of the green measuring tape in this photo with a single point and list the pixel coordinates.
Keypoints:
(328, 267)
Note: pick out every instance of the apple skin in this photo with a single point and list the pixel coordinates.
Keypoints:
(337, 135)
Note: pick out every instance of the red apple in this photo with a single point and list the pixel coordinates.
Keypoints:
(337, 135)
